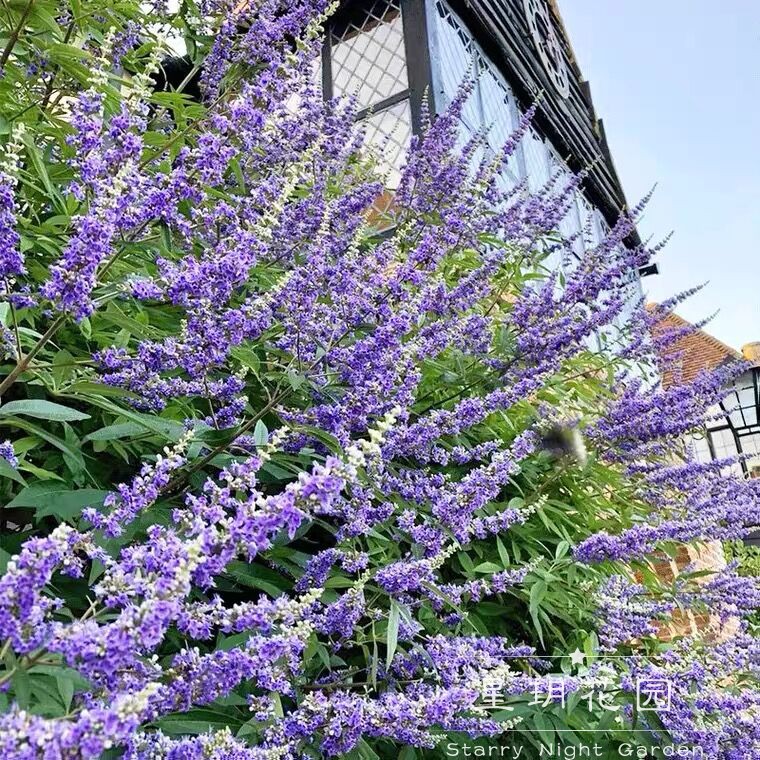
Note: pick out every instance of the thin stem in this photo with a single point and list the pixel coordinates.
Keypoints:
(183, 476)
(90, 610)
(15, 34)
(23, 664)
(75, 363)
(15, 329)
(23, 363)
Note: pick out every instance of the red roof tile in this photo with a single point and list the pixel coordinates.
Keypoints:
(685, 358)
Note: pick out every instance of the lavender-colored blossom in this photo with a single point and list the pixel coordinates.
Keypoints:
(11, 258)
(8, 454)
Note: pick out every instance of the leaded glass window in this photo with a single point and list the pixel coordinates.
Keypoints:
(536, 160)
(367, 60)
(491, 108)
(735, 426)
(742, 404)
(389, 132)
(367, 53)
(570, 225)
(368, 56)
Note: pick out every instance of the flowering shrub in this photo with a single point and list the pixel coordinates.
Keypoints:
(289, 478)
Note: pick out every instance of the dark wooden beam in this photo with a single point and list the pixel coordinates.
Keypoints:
(418, 63)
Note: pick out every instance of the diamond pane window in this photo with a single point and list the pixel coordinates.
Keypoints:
(367, 54)
(388, 133)
(500, 114)
(742, 406)
(748, 404)
(457, 62)
(723, 443)
(570, 226)
(724, 446)
(536, 160)
(593, 223)
(700, 448)
(751, 444)
(739, 417)
(492, 108)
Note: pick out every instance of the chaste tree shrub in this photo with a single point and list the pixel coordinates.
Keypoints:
(287, 475)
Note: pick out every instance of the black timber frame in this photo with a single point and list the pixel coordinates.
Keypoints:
(417, 53)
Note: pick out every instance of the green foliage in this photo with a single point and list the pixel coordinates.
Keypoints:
(747, 558)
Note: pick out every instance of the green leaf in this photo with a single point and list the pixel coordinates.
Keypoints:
(362, 751)
(488, 567)
(466, 562)
(41, 18)
(537, 593)
(87, 387)
(562, 549)
(66, 690)
(169, 429)
(6, 471)
(503, 553)
(60, 51)
(391, 637)
(43, 410)
(199, 722)
(39, 472)
(54, 499)
(75, 463)
(251, 575)
(22, 687)
(86, 328)
(63, 367)
(75, 454)
(35, 157)
(116, 432)
(295, 378)
(544, 727)
(260, 433)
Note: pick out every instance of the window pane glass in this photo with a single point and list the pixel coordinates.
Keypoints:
(536, 160)
(700, 449)
(457, 62)
(499, 112)
(724, 444)
(368, 57)
(748, 407)
(388, 132)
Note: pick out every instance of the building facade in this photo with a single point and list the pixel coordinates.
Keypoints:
(395, 54)
(733, 428)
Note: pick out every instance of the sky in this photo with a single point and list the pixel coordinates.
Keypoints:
(677, 85)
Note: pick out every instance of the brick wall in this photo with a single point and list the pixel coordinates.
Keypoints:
(703, 556)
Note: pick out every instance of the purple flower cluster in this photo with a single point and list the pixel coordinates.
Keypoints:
(8, 454)
(11, 259)
(628, 612)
